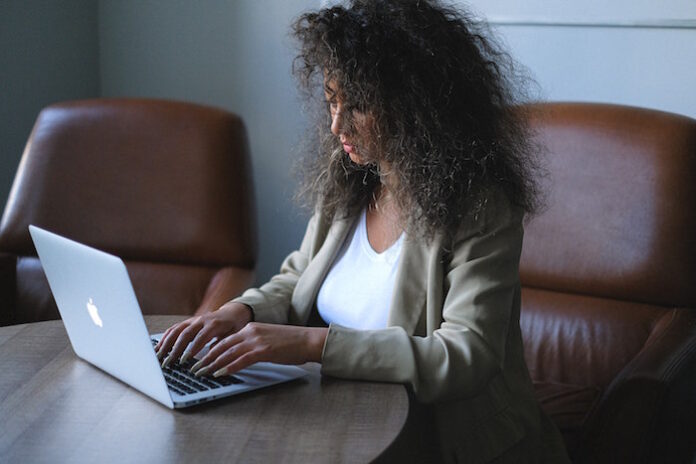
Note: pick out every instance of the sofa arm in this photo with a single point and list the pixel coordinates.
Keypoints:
(226, 284)
(648, 412)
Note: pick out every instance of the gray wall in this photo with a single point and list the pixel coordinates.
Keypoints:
(48, 53)
(231, 54)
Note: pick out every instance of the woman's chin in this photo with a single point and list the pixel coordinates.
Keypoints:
(354, 157)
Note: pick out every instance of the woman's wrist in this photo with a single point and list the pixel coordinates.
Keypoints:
(249, 312)
(240, 312)
(316, 338)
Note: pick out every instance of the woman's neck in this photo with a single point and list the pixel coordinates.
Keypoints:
(383, 219)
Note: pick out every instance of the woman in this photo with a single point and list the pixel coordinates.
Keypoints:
(412, 255)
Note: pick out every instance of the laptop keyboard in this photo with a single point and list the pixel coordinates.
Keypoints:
(180, 380)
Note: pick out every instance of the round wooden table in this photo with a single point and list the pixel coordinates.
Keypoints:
(54, 407)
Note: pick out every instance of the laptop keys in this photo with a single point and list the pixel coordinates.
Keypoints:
(229, 380)
(181, 381)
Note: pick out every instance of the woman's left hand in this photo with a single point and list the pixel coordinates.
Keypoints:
(282, 344)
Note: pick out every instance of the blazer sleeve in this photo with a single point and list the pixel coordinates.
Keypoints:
(271, 302)
(481, 285)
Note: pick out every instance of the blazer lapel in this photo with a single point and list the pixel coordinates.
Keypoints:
(409, 295)
(313, 276)
(408, 300)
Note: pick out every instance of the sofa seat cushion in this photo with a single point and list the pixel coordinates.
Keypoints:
(568, 406)
(582, 340)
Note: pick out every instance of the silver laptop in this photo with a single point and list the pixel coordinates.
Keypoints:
(103, 320)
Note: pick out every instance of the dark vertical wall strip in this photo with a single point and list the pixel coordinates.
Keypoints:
(49, 51)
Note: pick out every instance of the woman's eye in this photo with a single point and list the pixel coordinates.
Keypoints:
(353, 109)
(333, 107)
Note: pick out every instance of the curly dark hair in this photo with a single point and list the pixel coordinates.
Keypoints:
(443, 94)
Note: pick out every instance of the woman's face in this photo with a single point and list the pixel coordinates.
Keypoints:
(356, 130)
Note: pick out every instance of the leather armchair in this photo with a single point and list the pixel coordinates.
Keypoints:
(164, 185)
(609, 282)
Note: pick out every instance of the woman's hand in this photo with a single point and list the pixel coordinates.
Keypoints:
(229, 319)
(283, 344)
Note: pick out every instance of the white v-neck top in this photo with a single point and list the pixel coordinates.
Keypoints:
(357, 290)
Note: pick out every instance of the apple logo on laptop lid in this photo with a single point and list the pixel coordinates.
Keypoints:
(94, 313)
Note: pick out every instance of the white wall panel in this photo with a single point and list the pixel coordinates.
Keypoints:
(640, 53)
(618, 12)
(634, 66)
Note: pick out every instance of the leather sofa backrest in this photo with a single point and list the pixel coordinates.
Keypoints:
(164, 185)
(620, 221)
(615, 248)
(141, 179)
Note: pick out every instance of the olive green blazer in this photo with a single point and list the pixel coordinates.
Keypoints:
(453, 333)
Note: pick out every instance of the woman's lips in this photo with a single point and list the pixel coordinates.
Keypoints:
(348, 148)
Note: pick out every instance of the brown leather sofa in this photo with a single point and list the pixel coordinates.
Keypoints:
(164, 185)
(609, 282)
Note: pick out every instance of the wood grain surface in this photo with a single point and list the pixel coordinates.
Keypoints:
(55, 408)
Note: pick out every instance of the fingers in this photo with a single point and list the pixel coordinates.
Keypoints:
(167, 341)
(242, 362)
(236, 358)
(205, 335)
(182, 342)
(158, 346)
(226, 346)
(176, 338)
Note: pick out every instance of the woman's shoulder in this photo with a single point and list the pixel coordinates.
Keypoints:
(323, 220)
(320, 224)
(497, 212)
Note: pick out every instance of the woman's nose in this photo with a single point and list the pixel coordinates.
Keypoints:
(337, 121)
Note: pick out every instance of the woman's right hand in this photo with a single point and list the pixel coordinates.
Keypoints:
(199, 330)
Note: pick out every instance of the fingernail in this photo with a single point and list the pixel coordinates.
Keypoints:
(185, 357)
(166, 362)
(196, 366)
(220, 372)
(201, 372)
